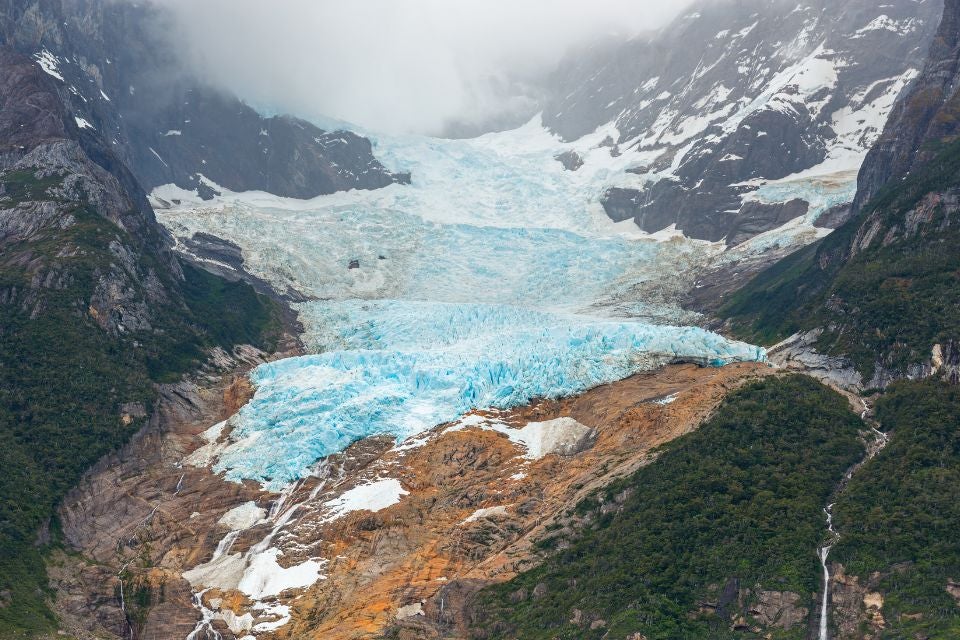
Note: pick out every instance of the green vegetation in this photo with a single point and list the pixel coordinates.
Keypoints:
(900, 515)
(218, 313)
(65, 380)
(740, 499)
(24, 185)
(890, 303)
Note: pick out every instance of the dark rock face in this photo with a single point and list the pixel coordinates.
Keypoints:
(929, 114)
(570, 160)
(210, 134)
(756, 217)
(52, 167)
(38, 135)
(741, 92)
(120, 75)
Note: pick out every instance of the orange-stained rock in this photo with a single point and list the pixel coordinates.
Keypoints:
(473, 509)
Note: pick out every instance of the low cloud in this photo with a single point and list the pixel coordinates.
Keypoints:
(396, 65)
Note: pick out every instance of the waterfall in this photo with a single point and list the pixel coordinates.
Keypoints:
(123, 601)
(205, 624)
(281, 514)
(179, 484)
(223, 548)
(881, 440)
(824, 553)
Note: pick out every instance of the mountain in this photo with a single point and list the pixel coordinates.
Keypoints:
(95, 312)
(121, 76)
(746, 115)
(879, 293)
(156, 487)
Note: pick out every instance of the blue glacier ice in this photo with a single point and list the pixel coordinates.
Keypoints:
(401, 367)
(495, 278)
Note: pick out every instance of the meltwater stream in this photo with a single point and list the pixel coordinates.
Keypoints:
(495, 278)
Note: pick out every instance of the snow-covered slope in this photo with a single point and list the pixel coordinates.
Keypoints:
(494, 278)
(735, 95)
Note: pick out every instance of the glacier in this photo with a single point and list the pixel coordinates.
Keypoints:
(494, 279)
(399, 368)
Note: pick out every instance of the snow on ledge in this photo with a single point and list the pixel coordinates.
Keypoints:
(373, 497)
(563, 436)
(243, 517)
(482, 514)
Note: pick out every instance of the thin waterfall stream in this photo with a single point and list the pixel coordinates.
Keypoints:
(880, 441)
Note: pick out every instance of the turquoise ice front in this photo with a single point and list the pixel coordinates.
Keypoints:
(400, 368)
(493, 280)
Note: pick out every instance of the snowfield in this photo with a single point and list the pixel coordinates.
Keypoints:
(495, 278)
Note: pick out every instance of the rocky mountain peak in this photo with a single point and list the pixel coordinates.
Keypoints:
(739, 108)
(121, 76)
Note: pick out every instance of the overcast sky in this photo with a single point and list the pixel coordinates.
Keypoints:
(395, 65)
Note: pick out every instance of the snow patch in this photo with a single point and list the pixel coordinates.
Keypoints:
(265, 577)
(243, 517)
(48, 62)
(410, 611)
(481, 514)
(373, 497)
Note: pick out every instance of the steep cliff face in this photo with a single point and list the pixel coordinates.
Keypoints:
(120, 74)
(55, 175)
(925, 119)
(94, 309)
(743, 116)
(880, 290)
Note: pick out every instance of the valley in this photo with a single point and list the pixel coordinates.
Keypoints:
(665, 349)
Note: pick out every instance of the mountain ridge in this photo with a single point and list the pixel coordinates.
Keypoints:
(735, 108)
(123, 78)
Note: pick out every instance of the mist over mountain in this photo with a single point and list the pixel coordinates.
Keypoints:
(421, 66)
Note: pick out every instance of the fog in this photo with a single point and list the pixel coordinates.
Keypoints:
(398, 65)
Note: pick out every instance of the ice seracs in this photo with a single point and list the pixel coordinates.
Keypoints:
(386, 373)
